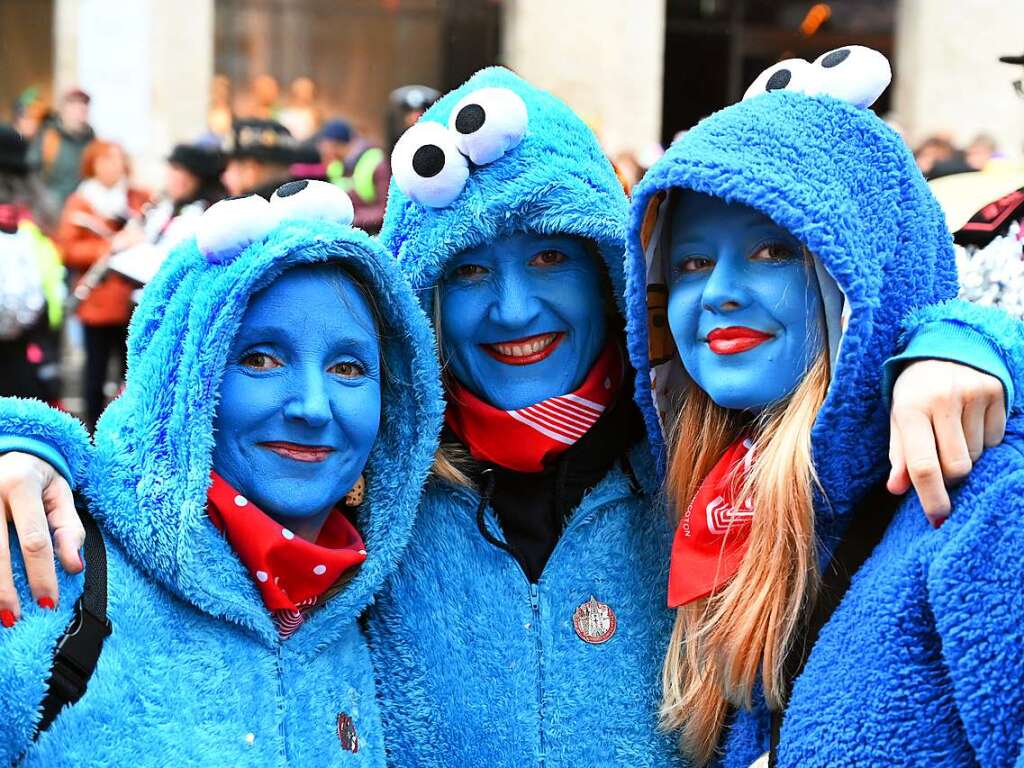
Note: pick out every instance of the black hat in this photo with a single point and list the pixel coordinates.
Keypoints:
(266, 141)
(1012, 59)
(201, 161)
(13, 151)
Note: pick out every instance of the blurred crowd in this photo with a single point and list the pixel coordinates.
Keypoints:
(79, 240)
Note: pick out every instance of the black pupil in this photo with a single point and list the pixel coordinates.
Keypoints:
(835, 58)
(291, 188)
(778, 80)
(470, 118)
(428, 160)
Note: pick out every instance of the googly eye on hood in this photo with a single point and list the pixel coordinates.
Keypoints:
(151, 470)
(494, 157)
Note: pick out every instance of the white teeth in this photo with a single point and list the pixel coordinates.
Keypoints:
(527, 348)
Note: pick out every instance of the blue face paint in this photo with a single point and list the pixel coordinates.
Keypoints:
(300, 401)
(744, 305)
(523, 318)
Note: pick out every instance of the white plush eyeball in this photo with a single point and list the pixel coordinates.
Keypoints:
(309, 199)
(790, 75)
(428, 166)
(230, 226)
(488, 123)
(855, 74)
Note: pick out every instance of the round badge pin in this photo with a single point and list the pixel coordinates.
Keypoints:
(595, 622)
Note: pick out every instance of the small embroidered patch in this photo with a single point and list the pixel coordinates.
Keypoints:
(594, 621)
(347, 733)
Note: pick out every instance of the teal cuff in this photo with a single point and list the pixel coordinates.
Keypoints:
(54, 436)
(953, 342)
(41, 450)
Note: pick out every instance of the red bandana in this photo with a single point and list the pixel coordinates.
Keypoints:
(703, 556)
(290, 572)
(525, 439)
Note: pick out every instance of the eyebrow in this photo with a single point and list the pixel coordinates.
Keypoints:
(269, 333)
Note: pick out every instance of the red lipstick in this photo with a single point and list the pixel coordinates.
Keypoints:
(526, 351)
(297, 452)
(736, 339)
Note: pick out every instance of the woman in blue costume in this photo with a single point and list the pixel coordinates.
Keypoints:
(521, 623)
(255, 484)
(793, 234)
(520, 626)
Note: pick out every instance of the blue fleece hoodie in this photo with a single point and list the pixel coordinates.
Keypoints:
(194, 672)
(477, 666)
(922, 662)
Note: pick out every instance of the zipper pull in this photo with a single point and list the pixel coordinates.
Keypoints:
(534, 597)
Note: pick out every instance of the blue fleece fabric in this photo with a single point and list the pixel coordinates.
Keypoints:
(476, 665)
(921, 664)
(194, 672)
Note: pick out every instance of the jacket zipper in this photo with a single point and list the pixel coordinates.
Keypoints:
(575, 522)
(539, 643)
(282, 721)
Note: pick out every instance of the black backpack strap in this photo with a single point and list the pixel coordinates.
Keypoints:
(870, 520)
(78, 649)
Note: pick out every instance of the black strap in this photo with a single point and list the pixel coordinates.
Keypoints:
(78, 649)
(870, 519)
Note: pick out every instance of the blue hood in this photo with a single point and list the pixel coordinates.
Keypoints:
(151, 470)
(557, 180)
(843, 183)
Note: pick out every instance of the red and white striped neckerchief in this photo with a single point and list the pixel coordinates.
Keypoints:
(526, 439)
(292, 574)
(713, 534)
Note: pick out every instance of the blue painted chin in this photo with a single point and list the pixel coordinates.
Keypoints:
(523, 318)
(745, 307)
(300, 402)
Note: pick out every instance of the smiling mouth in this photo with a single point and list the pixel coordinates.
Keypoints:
(736, 339)
(297, 452)
(526, 351)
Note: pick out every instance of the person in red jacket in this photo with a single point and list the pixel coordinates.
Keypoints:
(87, 235)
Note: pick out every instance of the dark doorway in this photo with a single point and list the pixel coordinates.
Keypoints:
(715, 48)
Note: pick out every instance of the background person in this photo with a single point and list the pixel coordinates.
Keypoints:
(259, 155)
(87, 234)
(358, 167)
(32, 289)
(192, 185)
(58, 147)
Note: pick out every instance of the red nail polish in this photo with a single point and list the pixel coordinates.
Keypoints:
(45, 602)
(7, 619)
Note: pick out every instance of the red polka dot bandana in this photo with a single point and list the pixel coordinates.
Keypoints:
(290, 572)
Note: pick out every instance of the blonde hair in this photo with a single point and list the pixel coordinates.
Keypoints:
(721, 644)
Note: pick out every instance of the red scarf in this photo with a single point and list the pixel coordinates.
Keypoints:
(712, 536)
(291, 573)
(524, 440)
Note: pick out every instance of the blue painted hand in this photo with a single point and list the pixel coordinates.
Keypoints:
(300, 401)
(523, 318)
(744, 304)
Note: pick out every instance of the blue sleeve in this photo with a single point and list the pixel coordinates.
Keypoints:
(26, 656)
(973, 584)
(984, 338)
(56, 437)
